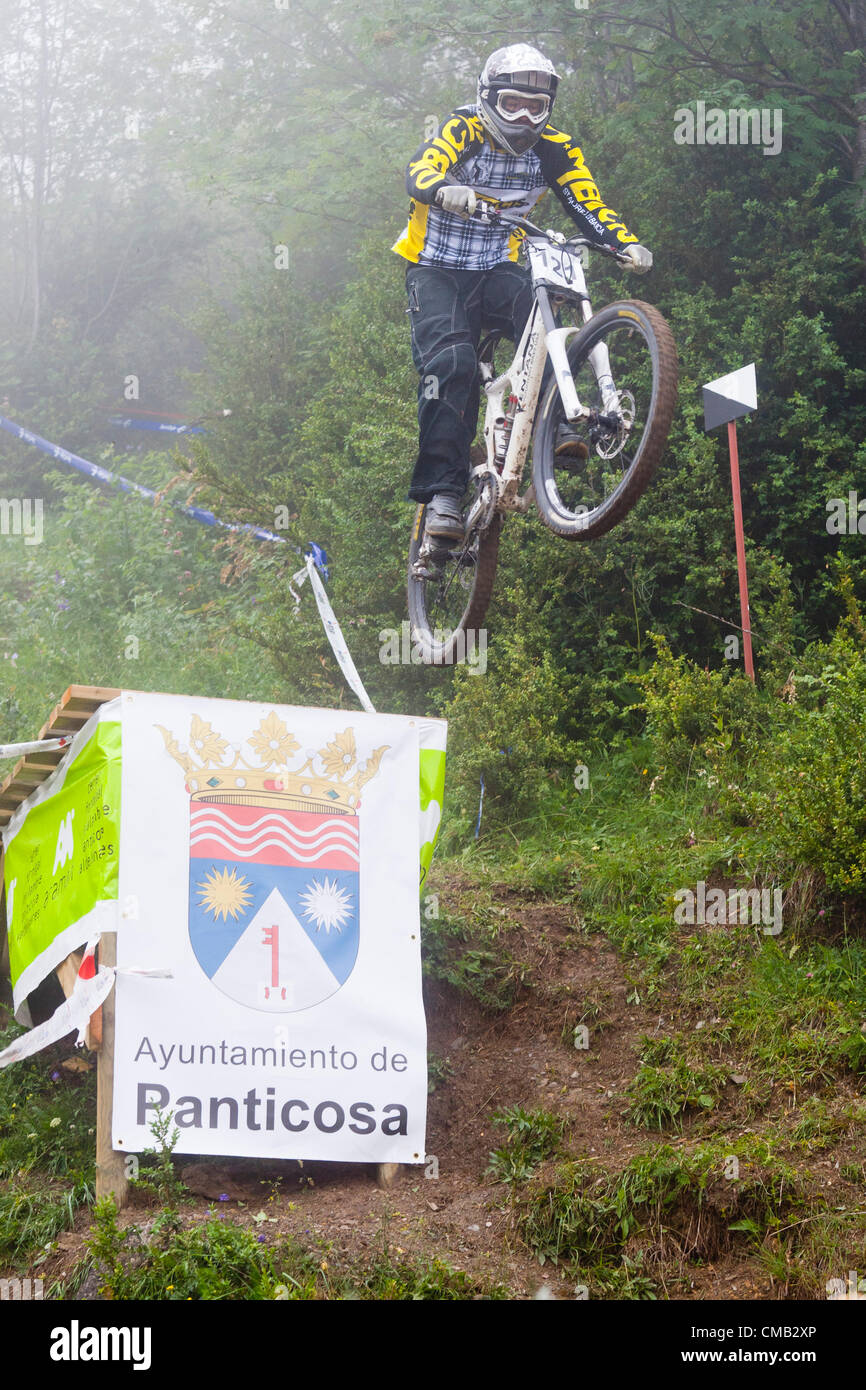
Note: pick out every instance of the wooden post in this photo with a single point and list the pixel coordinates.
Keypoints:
(386, 1174)
(110, 1163)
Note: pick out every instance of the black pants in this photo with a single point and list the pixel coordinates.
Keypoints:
(447, 309)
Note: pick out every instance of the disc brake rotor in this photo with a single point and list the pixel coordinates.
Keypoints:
(613, 445)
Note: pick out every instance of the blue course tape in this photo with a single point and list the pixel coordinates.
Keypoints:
(95, 470)
(129, 422)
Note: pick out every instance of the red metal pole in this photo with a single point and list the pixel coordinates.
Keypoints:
(745, 616)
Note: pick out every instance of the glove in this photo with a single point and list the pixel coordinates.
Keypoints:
(641, 259)
(457, 197)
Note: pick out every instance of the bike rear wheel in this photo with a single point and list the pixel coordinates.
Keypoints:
(449, 592)
(583, 497)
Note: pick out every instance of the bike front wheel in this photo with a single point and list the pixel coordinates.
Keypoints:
(585, 490)
(449, 592)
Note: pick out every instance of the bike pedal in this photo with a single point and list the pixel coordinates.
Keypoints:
(439, 549)
(430, 562)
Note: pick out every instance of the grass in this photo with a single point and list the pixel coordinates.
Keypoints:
(669, 1084)
(47, 1149)
(47, 1115)
(667, 1209)
(219, 1259)
(32, 1216)
(784, 1014)
(793, 1006)
(470, 948)
(533, 1136)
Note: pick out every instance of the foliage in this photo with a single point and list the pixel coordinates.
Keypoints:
(47, 1145)
(505, 727)
(157, 1174)
(220, 1259)
(214, 1260)
(473, 953)
(47, 1115)
(809, 789)
(582, 1216)
(121, 593)
(668, 1085)
(686, 707)
(533, 1136)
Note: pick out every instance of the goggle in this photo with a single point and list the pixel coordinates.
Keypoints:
(513, 104)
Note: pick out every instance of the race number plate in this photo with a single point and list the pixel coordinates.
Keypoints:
(556, 265)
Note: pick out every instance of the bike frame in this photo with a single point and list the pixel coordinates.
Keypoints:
(541, 339)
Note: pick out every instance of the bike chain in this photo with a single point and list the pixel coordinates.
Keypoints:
(487, 477)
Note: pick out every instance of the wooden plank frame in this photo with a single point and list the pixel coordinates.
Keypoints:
(76, 705)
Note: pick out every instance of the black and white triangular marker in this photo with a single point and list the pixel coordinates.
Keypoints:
(729, 397)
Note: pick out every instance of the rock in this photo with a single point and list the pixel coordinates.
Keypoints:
(89, 1289)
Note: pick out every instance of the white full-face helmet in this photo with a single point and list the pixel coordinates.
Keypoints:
(516, 90)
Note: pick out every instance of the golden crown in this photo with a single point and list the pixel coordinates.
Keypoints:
(328, 780)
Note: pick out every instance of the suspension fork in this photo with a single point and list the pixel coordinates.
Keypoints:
(599, 360)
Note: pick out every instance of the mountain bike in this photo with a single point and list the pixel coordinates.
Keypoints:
(597, 431)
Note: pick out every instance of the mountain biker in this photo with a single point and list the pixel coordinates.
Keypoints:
(462, 273)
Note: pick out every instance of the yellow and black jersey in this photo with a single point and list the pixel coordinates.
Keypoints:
(462, 151)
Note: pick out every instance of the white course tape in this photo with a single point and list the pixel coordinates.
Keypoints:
(74, 1012)
(91, 987)
(40, 745)
(332, 628)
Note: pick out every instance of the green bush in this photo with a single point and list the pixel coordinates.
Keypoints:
(688, 706)
(214, 1260)
(810, 796)
(221, 1259)
(503, 727)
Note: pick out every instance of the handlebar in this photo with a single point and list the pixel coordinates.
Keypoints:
(489, 212)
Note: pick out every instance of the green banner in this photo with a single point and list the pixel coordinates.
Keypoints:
(432, 767)
(62, 860)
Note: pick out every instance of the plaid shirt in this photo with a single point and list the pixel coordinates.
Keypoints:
(464, 244)
(462, 152)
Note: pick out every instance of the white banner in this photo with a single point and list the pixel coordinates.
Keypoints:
(269, 860)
